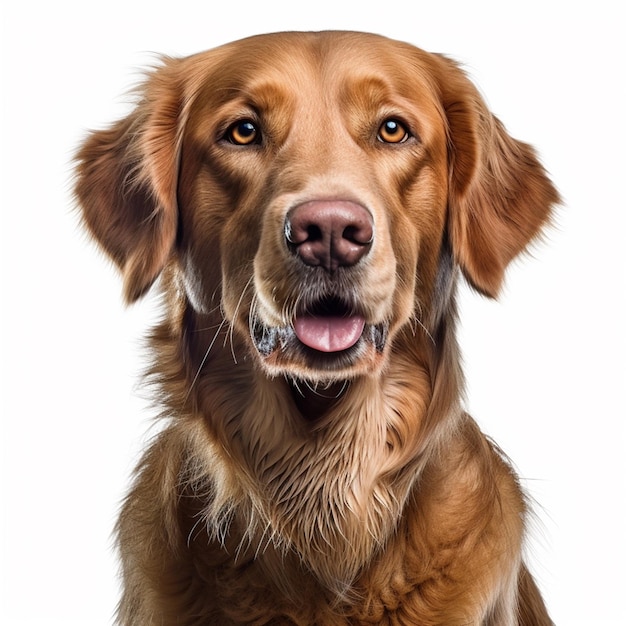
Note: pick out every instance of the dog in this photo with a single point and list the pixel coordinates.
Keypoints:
(306, 204)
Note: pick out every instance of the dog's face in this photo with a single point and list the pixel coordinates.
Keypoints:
(312, 183)
(322, 181)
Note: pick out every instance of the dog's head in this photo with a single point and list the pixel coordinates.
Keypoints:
(311, 187)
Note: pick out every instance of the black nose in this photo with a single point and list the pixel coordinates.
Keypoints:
(329, 233)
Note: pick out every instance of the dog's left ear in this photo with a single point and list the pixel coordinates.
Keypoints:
(126, 179)
(500, 195)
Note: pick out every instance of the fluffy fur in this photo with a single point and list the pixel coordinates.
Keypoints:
(294, 485)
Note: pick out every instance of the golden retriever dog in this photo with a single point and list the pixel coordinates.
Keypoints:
(307, 203)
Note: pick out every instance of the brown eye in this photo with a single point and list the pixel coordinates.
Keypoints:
(243, 133)
(392, 131)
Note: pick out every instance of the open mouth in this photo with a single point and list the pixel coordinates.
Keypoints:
(328, 334)
(329, 326)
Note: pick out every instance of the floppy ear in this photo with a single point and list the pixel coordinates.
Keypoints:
(500, 195)
(126, 182)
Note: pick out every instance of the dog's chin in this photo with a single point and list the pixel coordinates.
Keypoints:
(283, 353)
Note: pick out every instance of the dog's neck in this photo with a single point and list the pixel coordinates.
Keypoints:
(282, 461)
(315, 401)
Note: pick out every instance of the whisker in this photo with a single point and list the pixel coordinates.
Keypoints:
(290, 308)
(294, 383)
(252, 316)
(231, 330)
(201, 329)
(190, 537)
(314, 388)
(426, 331)
(204, 358)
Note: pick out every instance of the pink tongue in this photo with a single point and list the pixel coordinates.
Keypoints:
(328, 333)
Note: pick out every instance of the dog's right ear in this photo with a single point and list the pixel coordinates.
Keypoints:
(126, 179)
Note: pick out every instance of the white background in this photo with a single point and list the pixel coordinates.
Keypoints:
(545, 364)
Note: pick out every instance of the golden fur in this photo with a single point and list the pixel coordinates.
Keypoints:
(295, 484)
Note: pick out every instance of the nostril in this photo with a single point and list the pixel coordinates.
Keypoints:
(362, 234)
(298, 232)
(314, 233)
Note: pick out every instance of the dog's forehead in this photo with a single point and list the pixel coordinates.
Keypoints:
(330, 59)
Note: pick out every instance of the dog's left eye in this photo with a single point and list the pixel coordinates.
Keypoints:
(243, 133)
(393, 131)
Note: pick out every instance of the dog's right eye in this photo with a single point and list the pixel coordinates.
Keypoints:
(393, 131)
(243, 133)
